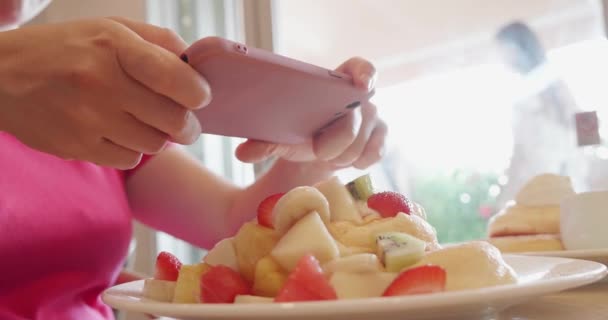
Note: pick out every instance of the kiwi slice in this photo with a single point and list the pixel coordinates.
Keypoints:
(361, 188)
(399, 250)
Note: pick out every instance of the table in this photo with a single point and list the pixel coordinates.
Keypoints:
(587, 303)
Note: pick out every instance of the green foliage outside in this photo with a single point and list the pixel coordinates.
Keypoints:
(442, 196)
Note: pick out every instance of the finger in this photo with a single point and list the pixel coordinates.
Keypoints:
(374, 149)
(137, 136)
(162, 37)
(363, 72)
(354, 151)
(109, 154)
(253, 151)
(161, 113)
(334, 140)
(163, 72)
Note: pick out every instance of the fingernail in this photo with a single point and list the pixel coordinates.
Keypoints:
(371, 84)
(208, 95)
(381, 152)
(366, 80)
(194, 126)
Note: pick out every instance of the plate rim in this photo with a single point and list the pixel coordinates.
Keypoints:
(574, 254)
(378, 305)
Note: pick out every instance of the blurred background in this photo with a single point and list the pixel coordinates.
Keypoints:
(479, 95)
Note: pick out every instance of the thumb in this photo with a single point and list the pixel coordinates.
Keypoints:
(253, 151)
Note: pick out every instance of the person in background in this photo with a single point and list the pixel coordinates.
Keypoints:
(544, 137)
(92, 113)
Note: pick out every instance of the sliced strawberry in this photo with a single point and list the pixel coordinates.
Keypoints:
(306, 283)
(265, 210)
(167, 267)
(221, 284)
(419, 280)
(389, 203)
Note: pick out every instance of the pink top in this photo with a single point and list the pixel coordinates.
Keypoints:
(65, 228)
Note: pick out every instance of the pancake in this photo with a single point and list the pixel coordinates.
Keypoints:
(471, 265)
(364, 236)
(523, 220)
(532, 243)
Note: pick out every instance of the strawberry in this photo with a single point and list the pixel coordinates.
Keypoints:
(265, 210)
(220, 284)
(389, 203)
(167, 267)
(306, 283)
(419, 280)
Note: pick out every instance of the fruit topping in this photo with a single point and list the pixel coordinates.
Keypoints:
(306, 283)
(167, 266)
(420, 280)
(389, 203)
(399, 250)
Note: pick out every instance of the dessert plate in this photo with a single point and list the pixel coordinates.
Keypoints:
(597, 255)
(538, 276)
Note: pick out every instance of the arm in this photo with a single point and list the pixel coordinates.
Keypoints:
(174, 193)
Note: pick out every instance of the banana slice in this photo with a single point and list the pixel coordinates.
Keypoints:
(159, 290)
(297, 203)
(358, 263)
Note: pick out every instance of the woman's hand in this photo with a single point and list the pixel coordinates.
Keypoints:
(357, 139)
(102, 90)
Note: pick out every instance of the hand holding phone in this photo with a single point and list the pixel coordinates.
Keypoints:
(264, 96)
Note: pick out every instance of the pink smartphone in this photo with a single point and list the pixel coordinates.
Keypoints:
(261, 95)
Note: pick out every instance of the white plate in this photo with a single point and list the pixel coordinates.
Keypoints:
(597, 255)
(539, 276)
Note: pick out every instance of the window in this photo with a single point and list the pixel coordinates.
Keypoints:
(195, 19)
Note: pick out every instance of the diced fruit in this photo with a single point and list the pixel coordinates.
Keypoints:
(364, 236)
(252, 243)
(361, 188)
(349, 251)
(244, 298)
(350, 285)
(223, 253)
(419, 280)
(341, 203)
(307, 236)
(221, 285)
(159, 290)
(297, 203)
(389, 203)
(187, 288)
(269, 277)
(167, 266)
(306, 283)
(265, 209)
(363, 262)
(399, 250)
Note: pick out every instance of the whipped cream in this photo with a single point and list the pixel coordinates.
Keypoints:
(545, 190)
